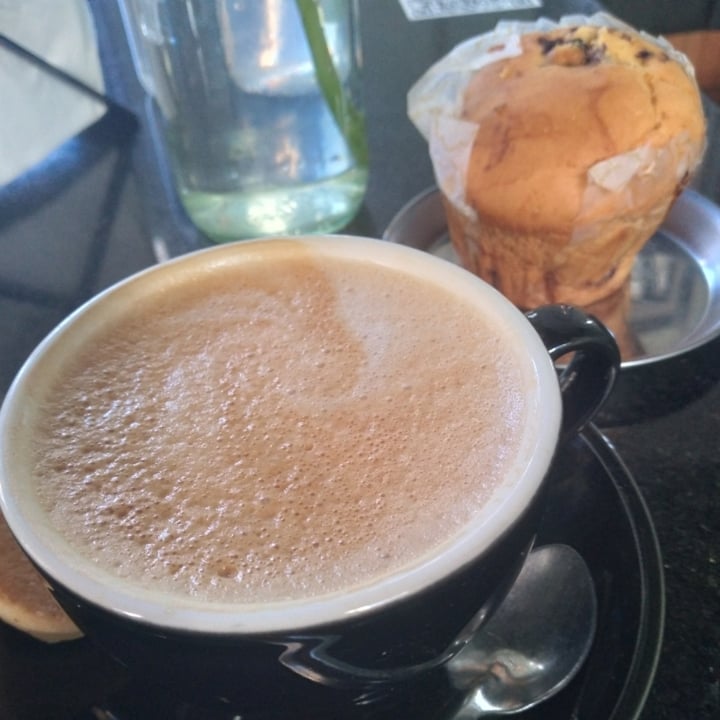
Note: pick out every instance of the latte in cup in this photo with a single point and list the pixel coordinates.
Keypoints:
(284, 423)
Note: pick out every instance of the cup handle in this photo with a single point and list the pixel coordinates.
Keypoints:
(589, 376)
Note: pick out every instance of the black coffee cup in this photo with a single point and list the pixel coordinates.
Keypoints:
(376, 651)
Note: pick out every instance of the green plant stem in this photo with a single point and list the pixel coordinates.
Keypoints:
(348, 118)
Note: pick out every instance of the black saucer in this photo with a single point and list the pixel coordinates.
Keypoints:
(595, 506)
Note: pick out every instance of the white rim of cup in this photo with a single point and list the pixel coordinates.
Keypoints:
(99, 587)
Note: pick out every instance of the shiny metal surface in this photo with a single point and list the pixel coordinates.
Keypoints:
(672, 304)
(536, 641)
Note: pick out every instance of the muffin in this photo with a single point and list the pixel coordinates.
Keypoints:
(559, 151)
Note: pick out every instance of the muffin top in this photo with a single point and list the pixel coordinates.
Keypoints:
(586, 121)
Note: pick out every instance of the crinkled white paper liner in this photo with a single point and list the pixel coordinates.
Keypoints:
(435, 104)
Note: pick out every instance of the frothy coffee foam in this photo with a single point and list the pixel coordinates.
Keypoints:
(280, 430)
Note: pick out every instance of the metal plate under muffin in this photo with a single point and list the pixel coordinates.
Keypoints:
(673, 299)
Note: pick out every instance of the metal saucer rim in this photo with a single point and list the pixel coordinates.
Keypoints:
(426, 206)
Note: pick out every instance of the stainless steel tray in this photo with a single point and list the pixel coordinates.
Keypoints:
(674, 293)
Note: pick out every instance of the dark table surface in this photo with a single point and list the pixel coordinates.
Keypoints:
(99, 209)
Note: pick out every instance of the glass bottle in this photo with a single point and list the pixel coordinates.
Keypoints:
(260, 107)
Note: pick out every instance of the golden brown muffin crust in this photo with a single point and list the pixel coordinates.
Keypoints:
(574, 97)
